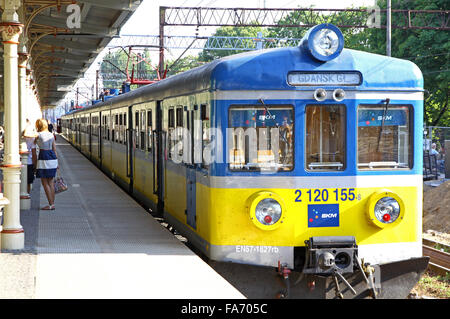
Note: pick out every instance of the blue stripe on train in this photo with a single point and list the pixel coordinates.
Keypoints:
(220, 114)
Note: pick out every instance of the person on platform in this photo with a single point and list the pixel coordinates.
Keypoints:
(433, 150)
(29, 135)
(46, 162)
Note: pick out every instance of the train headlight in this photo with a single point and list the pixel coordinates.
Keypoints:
(324, 42)
(266, 209)
(385, 208)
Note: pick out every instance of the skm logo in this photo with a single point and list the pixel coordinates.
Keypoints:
(329, 215)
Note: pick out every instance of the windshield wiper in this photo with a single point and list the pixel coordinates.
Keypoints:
(382, 122)
(270, 114)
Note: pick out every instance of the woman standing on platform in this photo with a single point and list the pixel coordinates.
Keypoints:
(47, 162)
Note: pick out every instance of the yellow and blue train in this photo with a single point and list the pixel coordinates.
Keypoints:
(306, 159)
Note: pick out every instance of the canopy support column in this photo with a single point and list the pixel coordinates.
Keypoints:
(12, 234)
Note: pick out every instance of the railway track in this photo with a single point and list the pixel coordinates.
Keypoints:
(439, 259)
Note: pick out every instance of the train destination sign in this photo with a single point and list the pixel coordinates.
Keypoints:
(299, 78)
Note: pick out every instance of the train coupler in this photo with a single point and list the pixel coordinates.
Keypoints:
(327, 255)
(332, 256)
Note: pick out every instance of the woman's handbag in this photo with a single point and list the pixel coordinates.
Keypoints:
(60, 185)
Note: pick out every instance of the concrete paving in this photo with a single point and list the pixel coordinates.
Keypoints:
(99, 243)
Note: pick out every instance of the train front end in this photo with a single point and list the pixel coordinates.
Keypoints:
(320, 167)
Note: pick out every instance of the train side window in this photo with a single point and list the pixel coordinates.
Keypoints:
(179, 131)
(385, 137)
(179, 117)
(149, 131)
(94, 126)
(120, 128)
(206, 137)
(125, 126)
(262, 138)
(116, 129)
(136, 128)
(142, 126)
(171, 124)
(171, 118)
(108, 127)
(325, 137)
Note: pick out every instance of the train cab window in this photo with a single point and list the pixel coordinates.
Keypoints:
(262, 138)
(325, 137)
(384, 137)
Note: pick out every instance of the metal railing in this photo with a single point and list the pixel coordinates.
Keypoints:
(436, 152)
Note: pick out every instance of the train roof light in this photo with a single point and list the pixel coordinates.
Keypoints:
(324, 42)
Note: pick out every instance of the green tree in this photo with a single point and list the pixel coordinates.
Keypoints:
(183, 64)
(429, 49)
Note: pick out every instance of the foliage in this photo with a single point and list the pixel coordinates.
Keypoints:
(433, 286)
(182, 64)
(428, 49)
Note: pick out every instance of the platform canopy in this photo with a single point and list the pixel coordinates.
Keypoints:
(63, 38)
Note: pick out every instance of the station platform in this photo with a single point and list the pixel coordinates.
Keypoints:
(100, 243)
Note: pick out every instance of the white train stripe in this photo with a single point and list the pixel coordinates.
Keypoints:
(287, 182)
(390, 252)
(309, 95)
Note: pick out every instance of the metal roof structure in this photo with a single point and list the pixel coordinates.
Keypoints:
(63, 38)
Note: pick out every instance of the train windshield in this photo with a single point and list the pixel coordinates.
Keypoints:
(325, 137)
(261, 138)
(384, 137)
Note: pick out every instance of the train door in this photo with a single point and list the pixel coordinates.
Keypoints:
(78, 134)
(89, 131)
(135, 143)
(130, 147)
(159, 140)
(191, 172)
(100, 133)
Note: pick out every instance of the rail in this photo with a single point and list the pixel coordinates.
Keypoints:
(439, 259)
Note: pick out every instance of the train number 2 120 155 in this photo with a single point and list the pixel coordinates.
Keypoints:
(325, 195)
